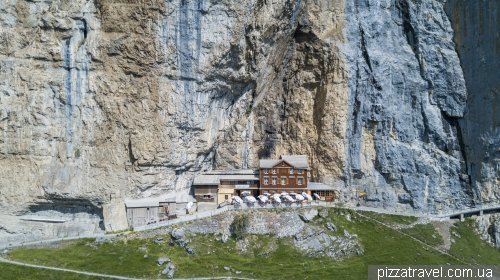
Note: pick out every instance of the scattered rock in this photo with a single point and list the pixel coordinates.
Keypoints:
(224, 238)
(190, 251)
(314, 242)
(178, 233)
(158, 241)
(169, 270)
(452, 240)
(346, 233)
(5, 251)
(354, 236)
(145, 256)
(331, 226)
(163, 260)
(181, 242)
(238, 272)
(323, 213)
(298, 237)
(456, 234)
(308, 215)
(171, 243)
(226, 268)
(348, 216)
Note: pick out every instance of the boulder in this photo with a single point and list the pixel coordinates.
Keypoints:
(178, 233)
(169, 270)
(163, 260)
(308, 215)
(346, 233)
(331, 226)
(158, 241)
(181, 242)
(323, 213)
(224, 238)
(226, 268)
(190, 251)
(238, 272)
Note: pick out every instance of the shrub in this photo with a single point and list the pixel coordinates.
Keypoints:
(239, 226)
(77, 153)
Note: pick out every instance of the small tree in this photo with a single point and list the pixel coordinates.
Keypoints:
(239, 226)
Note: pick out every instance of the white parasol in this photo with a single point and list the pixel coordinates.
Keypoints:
(237, 199)
(263, 198)
(276, 198)
(189, 205)
(250, 199)
(299, 197)
(289, 198)
(316, 196)
(308, 197)
(245, 193)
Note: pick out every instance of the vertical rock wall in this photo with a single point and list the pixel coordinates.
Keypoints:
(406, 92)
(476, 26)
(140, 96)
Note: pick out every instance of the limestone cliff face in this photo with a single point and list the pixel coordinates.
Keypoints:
(138, 96)
(478, 43)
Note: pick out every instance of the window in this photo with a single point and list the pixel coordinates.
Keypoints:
(274, 170)
(299, 171)
(266, 181)
(283, 181)
(325, 193)
(266, 171)
(291, 170)
(249, 182)
(226, 197)
(274, 181)
(282, 164)
(233, 182)
(299, 181)
(207, 196)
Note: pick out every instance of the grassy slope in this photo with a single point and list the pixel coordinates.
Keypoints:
(425, 233)
(10, 271)
(390, 219)
(471, 248)
(382, 246)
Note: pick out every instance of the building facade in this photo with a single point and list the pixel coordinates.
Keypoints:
(289, 173)
(218, 186)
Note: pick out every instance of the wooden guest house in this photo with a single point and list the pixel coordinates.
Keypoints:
(289, 173)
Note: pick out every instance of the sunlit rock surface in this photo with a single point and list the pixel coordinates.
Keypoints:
(138, 97)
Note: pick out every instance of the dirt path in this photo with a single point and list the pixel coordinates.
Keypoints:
(444, 230)
(65, 270)
(444, 252)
